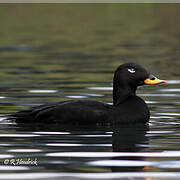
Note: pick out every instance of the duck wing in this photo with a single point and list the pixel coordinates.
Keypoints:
(73, 112)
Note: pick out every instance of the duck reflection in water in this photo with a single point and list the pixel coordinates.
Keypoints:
(129, 138)
(125, 138)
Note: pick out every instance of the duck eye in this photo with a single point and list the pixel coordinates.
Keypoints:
(131, 70)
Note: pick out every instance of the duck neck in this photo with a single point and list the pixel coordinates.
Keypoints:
(121, 93)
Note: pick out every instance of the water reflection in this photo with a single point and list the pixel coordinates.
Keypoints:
(129, 139)
(89, 149)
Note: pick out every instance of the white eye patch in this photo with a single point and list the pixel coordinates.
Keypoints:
(131, 70)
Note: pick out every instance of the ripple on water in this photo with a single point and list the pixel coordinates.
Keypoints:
(24, 150)
(69, 175)
(115, 154)
(77, 97)
(173, 81)
(13, 168)
(18, 135)
(169, 90)
(50, 133)
(100, 88)
(42, 91)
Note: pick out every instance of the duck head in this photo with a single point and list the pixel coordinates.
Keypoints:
(128, 77)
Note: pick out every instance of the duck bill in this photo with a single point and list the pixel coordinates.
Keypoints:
(153, 81)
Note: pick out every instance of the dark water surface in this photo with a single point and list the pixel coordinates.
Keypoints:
(54, 52)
